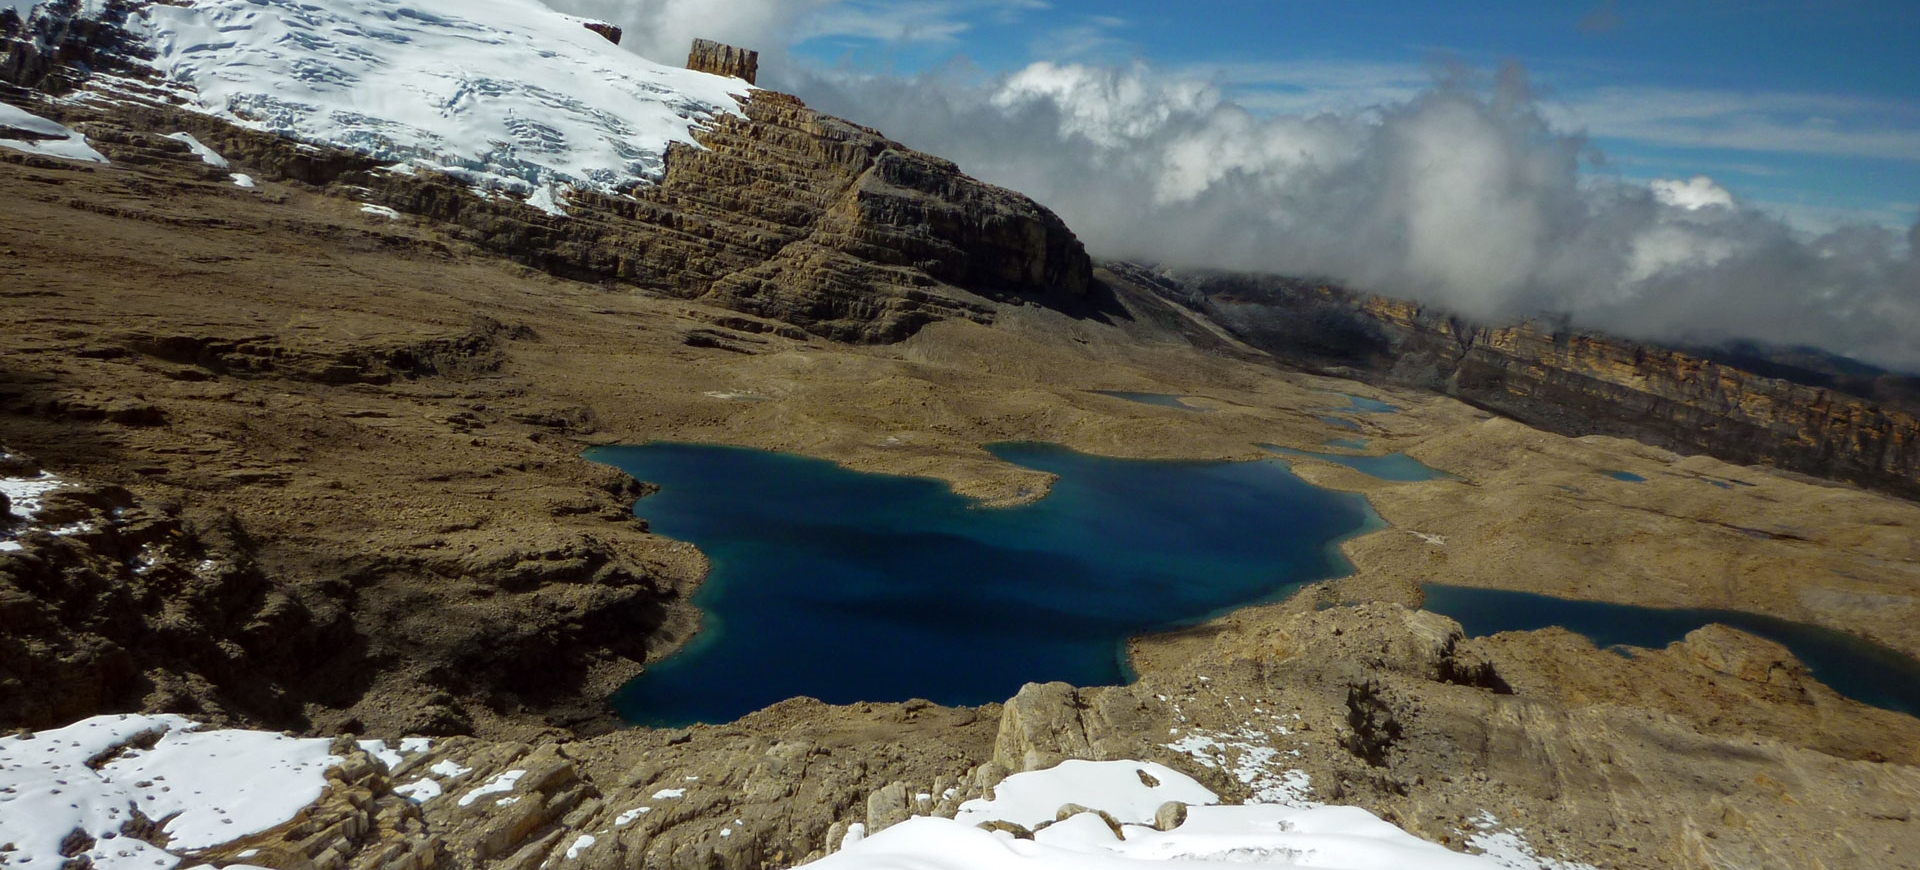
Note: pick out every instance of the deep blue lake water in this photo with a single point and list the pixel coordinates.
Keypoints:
(858, 587)
(1858, 669)
(1391, 466)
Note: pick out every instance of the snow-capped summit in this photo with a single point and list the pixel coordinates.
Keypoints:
(507, 94)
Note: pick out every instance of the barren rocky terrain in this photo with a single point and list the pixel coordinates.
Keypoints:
(328, 465)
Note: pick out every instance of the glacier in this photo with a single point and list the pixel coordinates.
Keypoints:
(507, 95)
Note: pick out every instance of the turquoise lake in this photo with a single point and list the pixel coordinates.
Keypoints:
(853, 587)
(1858, 669)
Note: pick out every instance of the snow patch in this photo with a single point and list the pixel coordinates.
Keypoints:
(38, 135)
(1115, 786)
(1508, 847)
(667, 794)
(206, 155)
(628, 817)
(380, 211)
(548, 200)
(217, 786)
(584, 842)
(241, 179)
(500, 783)
(24, 492)
(420, 790)
(1250, 757)
(449, 769)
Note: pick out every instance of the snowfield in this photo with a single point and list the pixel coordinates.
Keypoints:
(505, 94)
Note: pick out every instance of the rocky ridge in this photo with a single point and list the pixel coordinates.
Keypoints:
(1568, 382)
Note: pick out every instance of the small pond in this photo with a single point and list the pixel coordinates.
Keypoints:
(1398, 467)
(1364, 405)
(1858, 669)
(1627, 476)
(861, 587)
(1164, 400)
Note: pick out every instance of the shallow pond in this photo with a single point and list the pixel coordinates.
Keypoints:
(860, 587)
(1364, 405)
(1164, 400)
(1397, 467)
(1856, 668)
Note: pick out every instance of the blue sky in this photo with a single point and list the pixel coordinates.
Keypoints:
(1808, 109)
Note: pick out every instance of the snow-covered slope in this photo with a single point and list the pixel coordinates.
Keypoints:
(507, 94)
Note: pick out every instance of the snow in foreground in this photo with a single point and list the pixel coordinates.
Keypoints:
(1275, 836)
(93, 776)
(506, 94)
(24, 497)
(64, 142)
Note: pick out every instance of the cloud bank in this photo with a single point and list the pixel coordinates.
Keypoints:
(1466, 194)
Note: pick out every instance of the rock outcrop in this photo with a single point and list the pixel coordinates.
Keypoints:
(1565, 381)
(708, 56)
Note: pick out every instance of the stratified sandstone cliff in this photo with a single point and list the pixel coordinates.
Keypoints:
(1569, 382)
(784, 213)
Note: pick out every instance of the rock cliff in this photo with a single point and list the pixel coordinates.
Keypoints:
(1566, 381)
(781, 212)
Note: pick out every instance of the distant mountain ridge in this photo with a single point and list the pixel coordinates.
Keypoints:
(1798, 410)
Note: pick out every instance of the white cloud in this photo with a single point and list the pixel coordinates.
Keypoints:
(1465, 195)
(1694, 194)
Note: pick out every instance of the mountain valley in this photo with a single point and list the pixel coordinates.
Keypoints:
(313, 456)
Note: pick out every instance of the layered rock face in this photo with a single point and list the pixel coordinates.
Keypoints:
(1570, 382)
(804, 218)
(787, 214)
(723, 60)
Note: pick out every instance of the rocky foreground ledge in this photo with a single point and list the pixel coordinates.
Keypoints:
(1477, 746)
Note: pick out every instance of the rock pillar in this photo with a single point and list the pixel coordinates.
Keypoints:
(723, 60)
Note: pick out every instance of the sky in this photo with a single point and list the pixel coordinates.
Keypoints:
(1689, 170)
(1693, 171)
